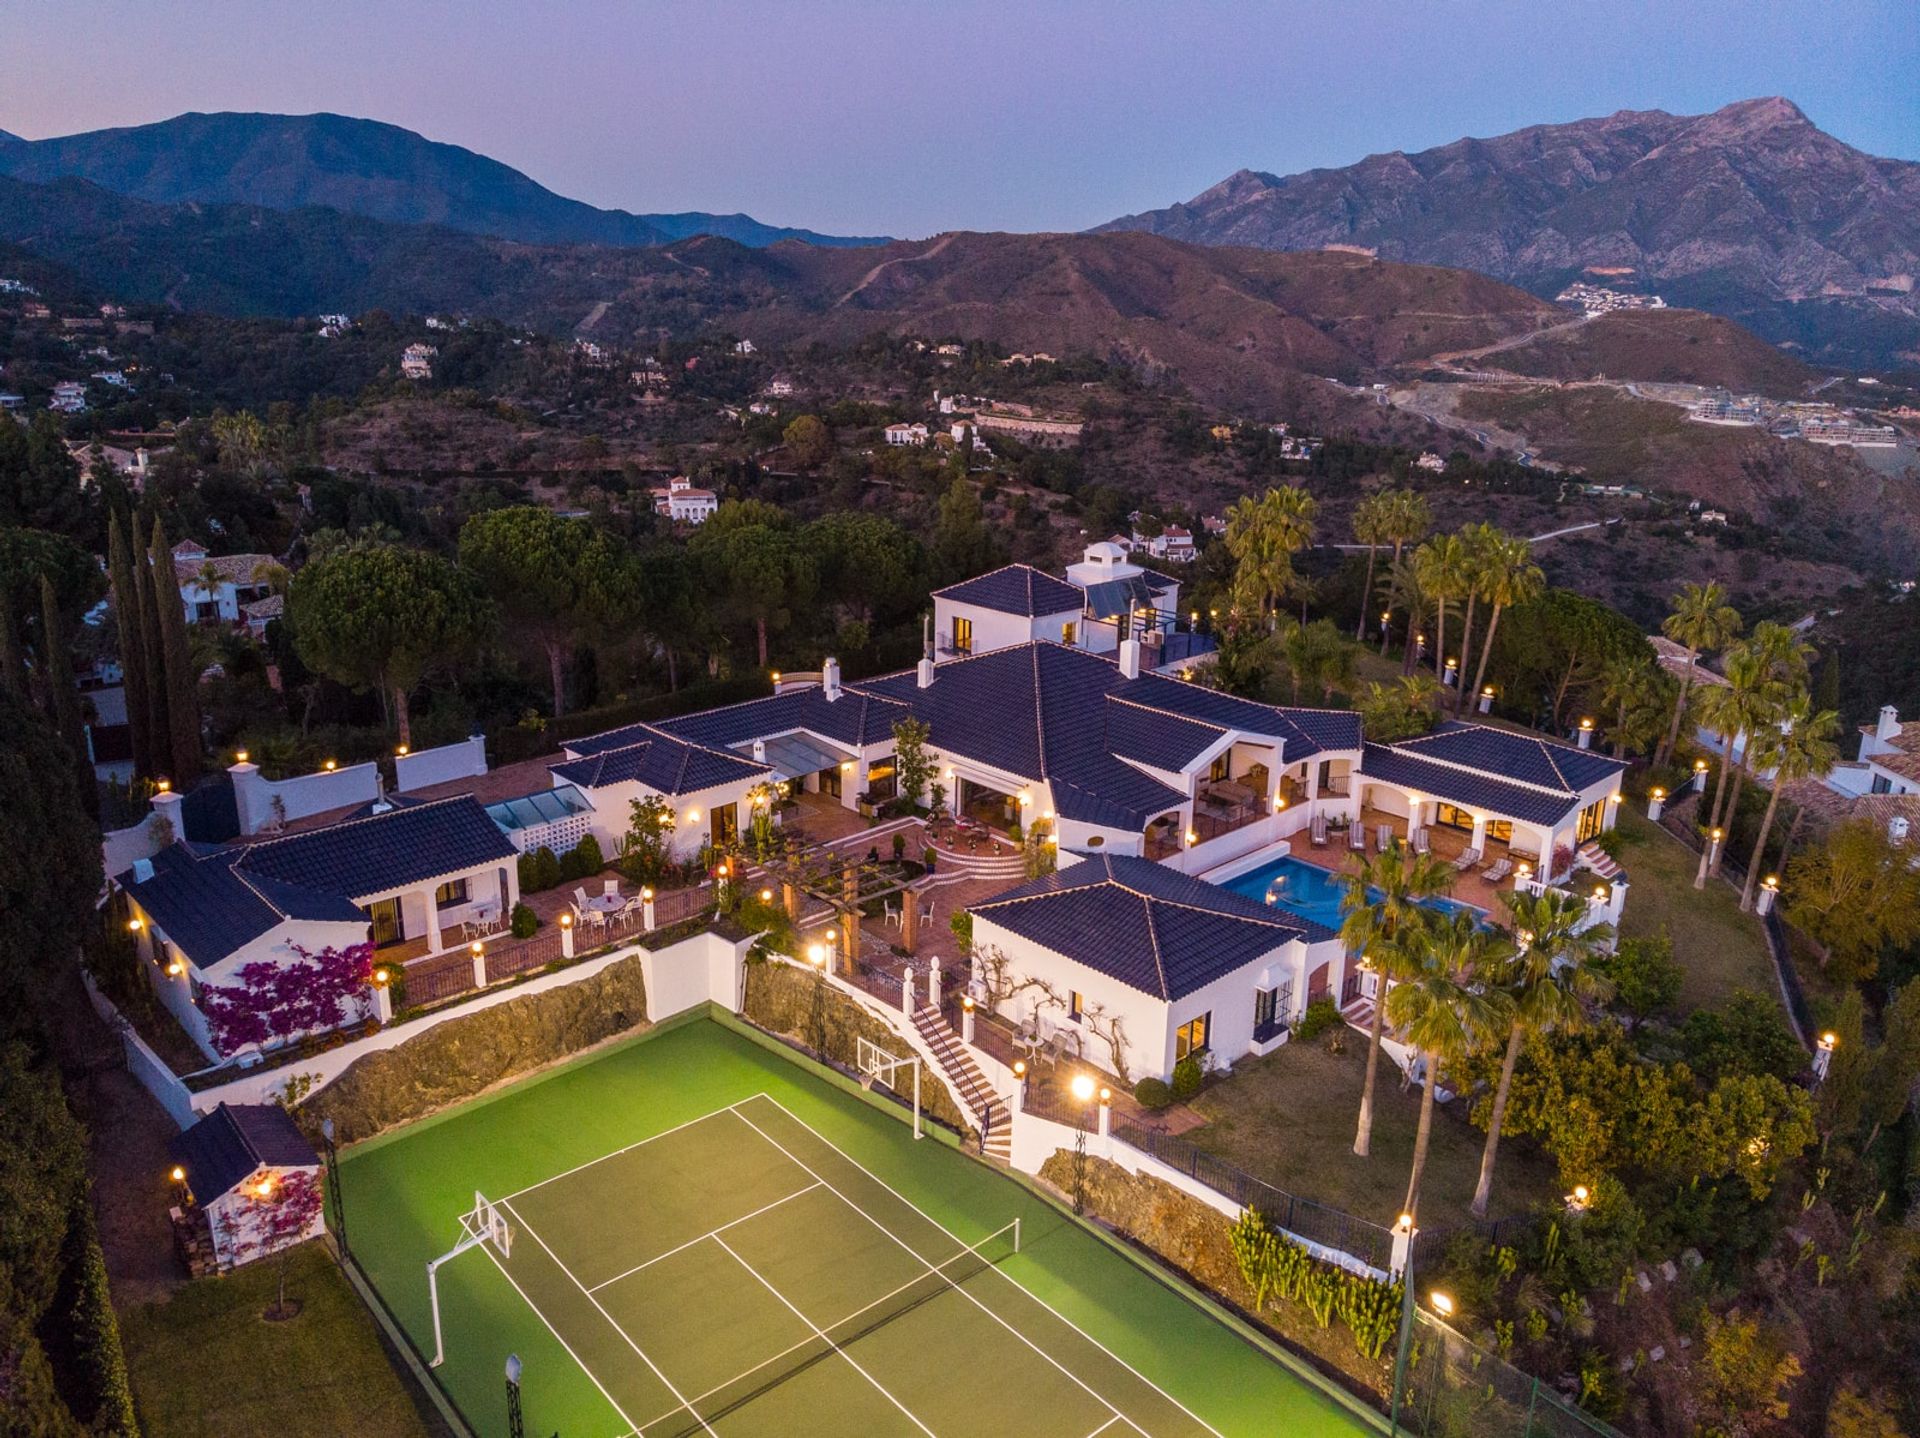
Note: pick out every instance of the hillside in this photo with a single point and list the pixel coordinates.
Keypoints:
(1662, 346)
(1235, 325)
(1750, 212)
(360, 167)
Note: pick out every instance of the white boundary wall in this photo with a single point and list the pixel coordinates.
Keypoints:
(1036, 1139)
(465, 760)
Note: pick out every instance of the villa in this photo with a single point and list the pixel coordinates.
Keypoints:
(1209, 827)
(218, 590)
(682, 502)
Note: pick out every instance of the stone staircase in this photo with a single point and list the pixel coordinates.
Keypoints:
(1359, 1014)
(990, 1114)
(1594, 857)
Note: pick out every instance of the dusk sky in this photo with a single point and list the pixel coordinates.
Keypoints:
(908, 119)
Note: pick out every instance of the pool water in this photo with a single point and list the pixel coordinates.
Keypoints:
(1314, 893)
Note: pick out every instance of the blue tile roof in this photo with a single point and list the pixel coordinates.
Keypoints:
(210, 909)
(1148, 926)
(1016, 589)
(407, 845)
(1523, 758)
(856, 718)
(231, 1144)
(663, 763)
(1306, 731)
(1469, 788)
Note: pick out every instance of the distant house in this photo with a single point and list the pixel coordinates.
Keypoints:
(69, 397)
(594, 356)
(258, 614)
(114, 377)
(215, 589)
(907, 434)
(416, 361)
(780, 388)
(333, 326)
(1430, 462)
(234, 1162)
(681, 502)
(744, 347)
(131, 464)
(11, 401)
(35, 310)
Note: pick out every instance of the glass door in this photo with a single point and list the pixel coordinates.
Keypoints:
(388, 926)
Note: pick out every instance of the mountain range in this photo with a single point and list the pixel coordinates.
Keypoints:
(1751, 212)
(360, 167)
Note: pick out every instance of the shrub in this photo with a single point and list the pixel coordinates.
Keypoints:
(588, 856)
(899, 847)
(1015, 833)
(524, 921)
(1187, 1076)
(1646, 977)
(1152, 1093)
(1320, 1016)
(538, 870)
(927, 857)
(571, 869)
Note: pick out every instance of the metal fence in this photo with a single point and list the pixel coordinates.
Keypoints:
(1457, 1389)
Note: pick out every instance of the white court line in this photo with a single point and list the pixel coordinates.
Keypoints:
(642, 1143)
(713, 1233)
(994, 1268)
(828, 1341)
(610, 1320)
(1105, 1426)
(932, 1268)
(535, 1309)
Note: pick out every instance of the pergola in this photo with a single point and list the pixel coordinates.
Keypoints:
(845, 884)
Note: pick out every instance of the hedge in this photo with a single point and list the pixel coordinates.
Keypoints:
(461, 1058)
(1197, 1239)
(780, 1000)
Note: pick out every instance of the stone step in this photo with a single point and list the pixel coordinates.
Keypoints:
(997, 1122)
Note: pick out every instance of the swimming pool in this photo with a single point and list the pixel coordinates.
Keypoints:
(1314, 893)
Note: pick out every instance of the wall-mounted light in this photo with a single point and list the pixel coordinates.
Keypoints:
(239, 756)
(136, 924)
(402, 750)
(331, 766)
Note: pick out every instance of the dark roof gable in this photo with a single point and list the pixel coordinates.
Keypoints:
(231, 1144)
(1016, 589)
(404, 846)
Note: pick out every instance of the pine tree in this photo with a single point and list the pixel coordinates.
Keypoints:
(133, 649)
(63, 700)
(183, 683)
(153, 661)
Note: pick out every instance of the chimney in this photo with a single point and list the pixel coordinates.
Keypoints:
(760, 751)
(1898, 828)
(252, 804)
(926, 674)
(142, 870)
(1130, 658)
(167, 806)
(830, 679)
(1889, 725)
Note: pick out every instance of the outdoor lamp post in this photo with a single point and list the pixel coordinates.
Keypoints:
(1769, 892)
(1082, 1089)
(1823, 1054)
(1580, 1200)
(817, 1020)
(1700, 775)
(1656, 803)
(1709, 853)
(333, 1186)
(516, 1425)
(1403, 1234)
(1486, 699)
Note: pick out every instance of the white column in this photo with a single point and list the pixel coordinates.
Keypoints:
(906, 993)
(383, 1004)
(966, 1018)
(646, 909)
(433, 920)
(566, 935)
(933, 966)
(1479, 840)
(479, 952)
(1656, 804)
(1403, 1236)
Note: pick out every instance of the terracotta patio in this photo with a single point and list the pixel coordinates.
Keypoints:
(1469, 886)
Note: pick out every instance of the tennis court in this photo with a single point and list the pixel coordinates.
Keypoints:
(754, 1277)
(707, 1239)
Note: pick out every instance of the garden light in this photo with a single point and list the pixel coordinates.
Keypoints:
(380, 976)
(1699, 766)
(776, 676)
(646, 894)
(1020, 1069)
(331, 766)
(165, 786)
(402, 750)
(1192, 838)
(478, 948)
(175, 968)
(239, 756)
(566, 921)
(1586, 726)
(1829, 1041)
(1082, 1087)
(178, 1174)
(1772, 881)
(1106, 1094)
(1405, 1223)
(1718, 835)
(1442, 1303)
(135, 925)
(264, 1188)
(817, 955)
(766, 896)
(1658, 792)
(966, 1002)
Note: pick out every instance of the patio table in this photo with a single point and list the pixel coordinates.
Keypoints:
(606, 903)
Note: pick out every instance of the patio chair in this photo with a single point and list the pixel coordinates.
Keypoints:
(1319, 830)
(1468, 858)
(1497, 870)
(1357, 837)
(891, 912)
(580, 901)
(1421, 843)
(610, 889)
(596, 919)
(1384, 836)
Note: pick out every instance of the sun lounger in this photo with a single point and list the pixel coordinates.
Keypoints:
(1466, 861)
(1384, 836)
(1497, 870)
(1319, 828)
(1357, 837)
(1421, 844)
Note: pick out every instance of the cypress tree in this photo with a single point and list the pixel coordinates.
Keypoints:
(63, 701)
(183, 684)
(153, 661)
(13, 669)
(133, 646)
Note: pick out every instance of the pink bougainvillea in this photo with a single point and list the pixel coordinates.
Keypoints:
(275, 1001)
(267, 1223)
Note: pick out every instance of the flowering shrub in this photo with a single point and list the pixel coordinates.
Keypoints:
(274, 1002)
(272, 1223)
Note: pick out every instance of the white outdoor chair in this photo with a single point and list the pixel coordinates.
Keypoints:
(1383, 836)
(1466, 861)
(1497, 870)
(580, 900)
(596, 919)
(892, 913)
(611, 889)
(1319, 831)
(1357, 837)
(1421, 843)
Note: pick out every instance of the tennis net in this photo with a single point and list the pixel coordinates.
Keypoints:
(699, 1413)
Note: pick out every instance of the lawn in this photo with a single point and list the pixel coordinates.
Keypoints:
(1289, 1118)
(413, 1184)
(1719, 948)
(205, 1362)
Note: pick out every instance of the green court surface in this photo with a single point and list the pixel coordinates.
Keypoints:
(708, 1239)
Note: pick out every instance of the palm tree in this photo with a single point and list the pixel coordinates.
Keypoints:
(1743, 705)
(1544, 986)
(1405, 594)
(1509, 577)
(1263, 535)
(1442, 565)
(1701, 620)
(1377, 929)
(1482, 541)
(1439, 1006)
(1372, 526)
(1801, 747)
(1784, 660)
(1629, 686)
(1408, 519)
(1318, 655)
